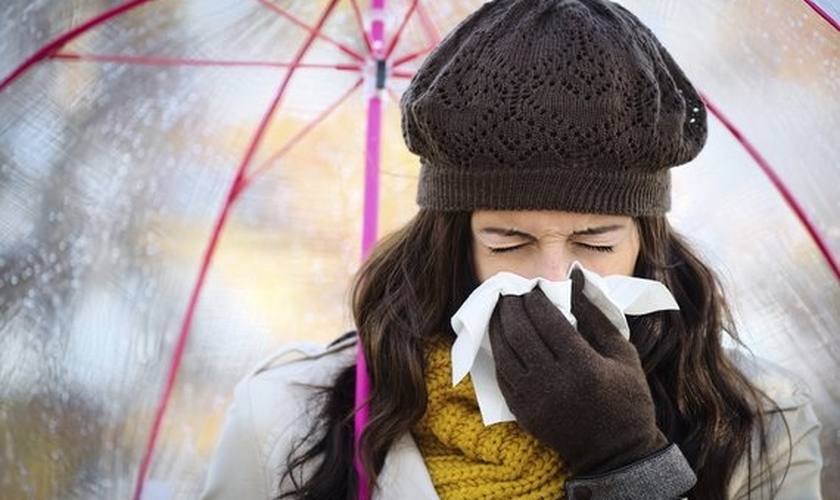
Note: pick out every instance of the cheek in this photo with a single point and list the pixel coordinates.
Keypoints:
(610, 264)
(622, 261)
(487, 264)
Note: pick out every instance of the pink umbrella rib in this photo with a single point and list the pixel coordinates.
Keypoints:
(825, 15)
(395, 98)
(396, 38)
(178, 61)
(357, 13)
(235, 190)
(288, 15)
(788, 196)
(405, 75)
(432, 34)
(53, 46)
(412, 56)
(301, 134)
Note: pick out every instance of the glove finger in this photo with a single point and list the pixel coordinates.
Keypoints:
(595, 327)
(505, 356)
(515, 369)
(557, 334)
(513, 334)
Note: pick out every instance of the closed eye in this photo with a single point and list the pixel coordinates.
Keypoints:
(596, 248)
(505, 249)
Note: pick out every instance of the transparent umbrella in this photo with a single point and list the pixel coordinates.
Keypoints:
(184, 186)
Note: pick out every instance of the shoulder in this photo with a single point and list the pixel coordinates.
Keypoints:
(304, 363)
(273, 409)
(784, 389)
(279, 390)
(791, 461)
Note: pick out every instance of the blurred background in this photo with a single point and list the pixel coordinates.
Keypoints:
(118, 150)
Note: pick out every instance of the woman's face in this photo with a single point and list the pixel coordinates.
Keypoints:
(545, 243)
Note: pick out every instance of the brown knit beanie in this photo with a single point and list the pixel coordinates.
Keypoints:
(551, 104)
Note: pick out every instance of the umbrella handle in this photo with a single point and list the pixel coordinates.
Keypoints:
(360, 419)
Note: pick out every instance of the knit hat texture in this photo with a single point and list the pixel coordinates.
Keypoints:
(551, 104)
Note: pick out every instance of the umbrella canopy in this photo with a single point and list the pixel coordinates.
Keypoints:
(184, 188)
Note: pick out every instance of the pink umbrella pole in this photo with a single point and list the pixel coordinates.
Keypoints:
(371, 212)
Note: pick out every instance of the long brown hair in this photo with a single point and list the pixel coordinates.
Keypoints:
(418, 277)
(703, 402)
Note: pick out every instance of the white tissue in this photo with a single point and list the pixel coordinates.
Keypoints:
(471, 352)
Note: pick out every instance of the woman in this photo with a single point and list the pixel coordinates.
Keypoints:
(546, 130)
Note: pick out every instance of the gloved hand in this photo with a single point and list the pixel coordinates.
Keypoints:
(583, 394)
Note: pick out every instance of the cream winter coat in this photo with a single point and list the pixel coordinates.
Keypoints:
(270, 413)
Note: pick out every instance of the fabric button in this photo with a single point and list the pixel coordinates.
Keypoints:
(581, 493)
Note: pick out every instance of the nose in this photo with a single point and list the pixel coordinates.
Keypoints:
(553, 263)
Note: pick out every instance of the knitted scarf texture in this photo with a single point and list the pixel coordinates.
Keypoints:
(467, 460)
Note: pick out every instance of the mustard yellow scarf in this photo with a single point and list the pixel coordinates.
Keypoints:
(467, 460)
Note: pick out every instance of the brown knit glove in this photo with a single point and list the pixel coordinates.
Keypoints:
(583, 394)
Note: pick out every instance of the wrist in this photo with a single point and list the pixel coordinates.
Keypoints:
(664, 474)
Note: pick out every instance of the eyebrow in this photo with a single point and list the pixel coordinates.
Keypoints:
(590, 231)
(505, 232)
